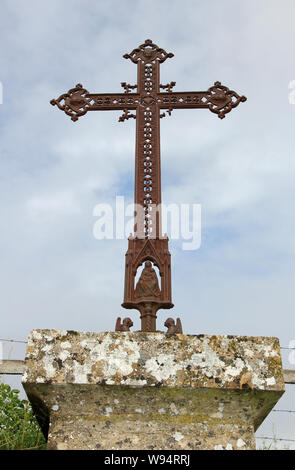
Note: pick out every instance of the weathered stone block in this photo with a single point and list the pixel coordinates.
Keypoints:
(135, 390)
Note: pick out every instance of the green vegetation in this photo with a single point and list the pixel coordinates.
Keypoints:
(19, 428)
(272, 444)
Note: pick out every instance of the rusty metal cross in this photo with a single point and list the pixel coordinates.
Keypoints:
(150, 104)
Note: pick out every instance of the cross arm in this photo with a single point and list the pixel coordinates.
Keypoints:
(78, 101)
(218, 99)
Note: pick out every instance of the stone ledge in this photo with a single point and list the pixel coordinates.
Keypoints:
(154, 359)
(151, 390)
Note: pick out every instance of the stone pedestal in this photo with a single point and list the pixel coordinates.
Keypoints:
(151, 390)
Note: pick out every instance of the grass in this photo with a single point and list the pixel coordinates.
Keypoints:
(19, 429)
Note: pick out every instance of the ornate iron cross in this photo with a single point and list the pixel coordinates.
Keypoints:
(150, 104)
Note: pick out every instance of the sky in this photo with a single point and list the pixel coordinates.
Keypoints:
(53, 272)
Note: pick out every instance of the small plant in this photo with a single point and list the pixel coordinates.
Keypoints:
(274, 443)
(19, 428)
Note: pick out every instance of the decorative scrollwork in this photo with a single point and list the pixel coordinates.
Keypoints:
(126, 115)
(221, 100)
(74, 103)
(168, 111)
(148, 52)
(168, 87)
(127, 87)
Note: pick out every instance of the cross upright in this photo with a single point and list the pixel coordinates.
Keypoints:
(148, 245)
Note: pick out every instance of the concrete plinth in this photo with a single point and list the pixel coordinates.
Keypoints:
(151, 390)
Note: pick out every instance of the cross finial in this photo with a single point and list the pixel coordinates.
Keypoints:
(148, 52)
